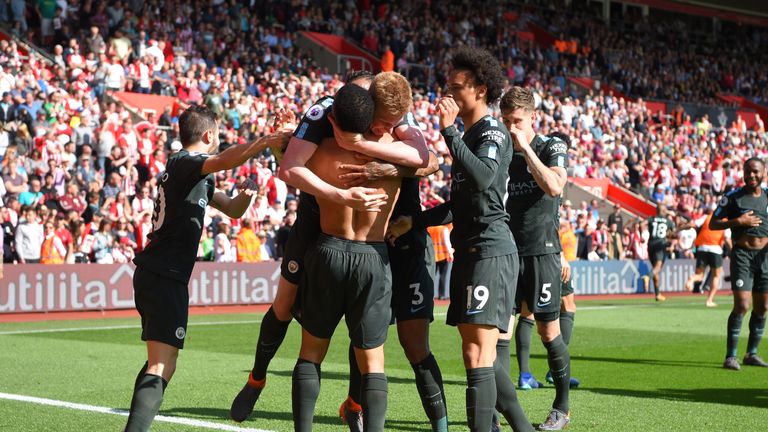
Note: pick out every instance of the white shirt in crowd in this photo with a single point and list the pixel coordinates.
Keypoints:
(29, 240)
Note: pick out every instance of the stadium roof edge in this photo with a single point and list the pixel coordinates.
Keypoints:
(752, 12)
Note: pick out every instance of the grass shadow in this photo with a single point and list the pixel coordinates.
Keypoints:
(636, 361)
(745, 397)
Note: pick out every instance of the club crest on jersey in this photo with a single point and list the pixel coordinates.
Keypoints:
(202, 202)
(180, 333)
(293, 266)
(723, 201)
(739, 283)
(315, 112)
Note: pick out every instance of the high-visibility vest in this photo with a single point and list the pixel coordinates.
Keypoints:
(708, 237)
(248, 246)
(49, 254)
(441, 249)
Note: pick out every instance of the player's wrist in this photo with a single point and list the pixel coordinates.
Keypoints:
(448, 130)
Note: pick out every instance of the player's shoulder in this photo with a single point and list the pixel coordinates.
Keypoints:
(730, 196)
(319, 109)
(491, 129)
(553, 144)
(408, 120)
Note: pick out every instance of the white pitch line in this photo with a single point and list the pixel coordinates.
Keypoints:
(117, 327)
(105, 410)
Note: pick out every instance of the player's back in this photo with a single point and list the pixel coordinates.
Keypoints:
(342, 221)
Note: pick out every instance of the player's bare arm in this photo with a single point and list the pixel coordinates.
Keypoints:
(295, 172)
(357, 175)
(410, 151)
(747, 220)
(238, 155)
(235, 207)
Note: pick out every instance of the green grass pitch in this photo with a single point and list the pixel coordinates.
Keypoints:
(643, 367)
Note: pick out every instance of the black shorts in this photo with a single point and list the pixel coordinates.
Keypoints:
(302, 235)
(349, 279)
(566, 288)
(483, 291)
(749, 270)
(656, 253)
(413, 277)
(708, 259)
(540, 285)
(163, 304)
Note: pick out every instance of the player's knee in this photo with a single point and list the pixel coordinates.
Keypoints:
(284, 300)
(475, 357)
(741, 307)
(568, 304)
(414, 352)
(370, 360)
(548, 325)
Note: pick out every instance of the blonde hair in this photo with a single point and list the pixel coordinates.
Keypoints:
(517, 98)
(392, 93)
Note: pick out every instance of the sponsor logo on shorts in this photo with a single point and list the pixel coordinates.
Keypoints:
(739, 283)
(202, 202)
(416, 309)
(180, 333)
(474, 311)
(293, 266)
(723, 201)
(541, 305)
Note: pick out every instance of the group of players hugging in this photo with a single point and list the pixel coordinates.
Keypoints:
(359, 248)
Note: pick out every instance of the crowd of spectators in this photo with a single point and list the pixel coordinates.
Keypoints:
(79, 169)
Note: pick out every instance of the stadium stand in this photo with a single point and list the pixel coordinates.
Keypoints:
(76, 157)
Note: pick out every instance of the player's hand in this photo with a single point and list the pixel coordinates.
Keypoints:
(345, 140)
(276, 142)
(447, 111)
(566, 269)
(364, 199)
(356, 175)
(285, 120)
(519, 141)
(749, 220)
(398, 227)
(248, 187)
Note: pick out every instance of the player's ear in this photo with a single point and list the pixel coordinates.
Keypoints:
(208, 137)
(481, 91)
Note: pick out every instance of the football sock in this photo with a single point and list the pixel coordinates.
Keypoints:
(271, 335)
(734, 328)
(559, 360)
(756, 329)
(429, 382)
(523, 343)
(147, 397)
(304, 392)
(506, 397)
(566, 325)
(355, 380)
(374, 401)
(141, 374)
(481, 398)
(502, 355)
